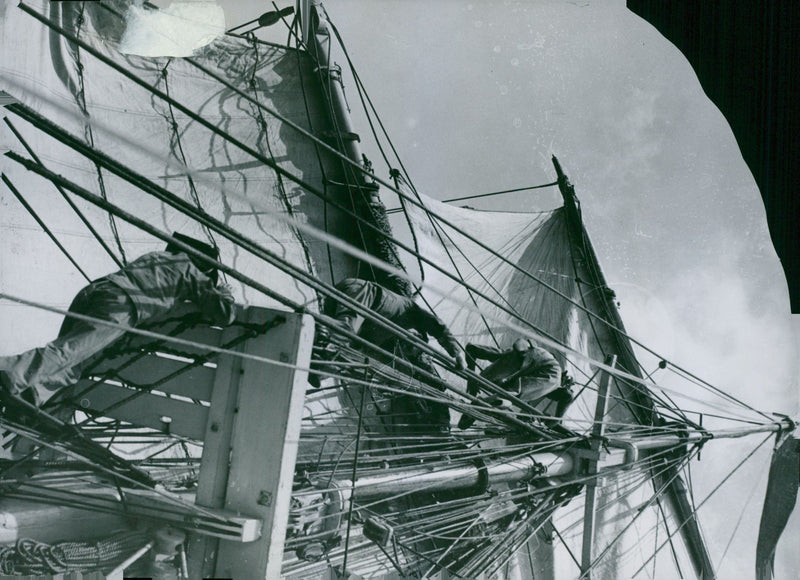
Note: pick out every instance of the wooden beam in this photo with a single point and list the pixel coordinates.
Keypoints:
(195, 382)
(252, 449)
(213, 478)
(149, 410)
(149, 505)
(598, 431)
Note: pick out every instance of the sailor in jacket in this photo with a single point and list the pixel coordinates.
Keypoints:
(147, 287)
(529, 372)
(401, 310)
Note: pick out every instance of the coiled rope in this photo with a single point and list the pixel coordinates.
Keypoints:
(28, 557)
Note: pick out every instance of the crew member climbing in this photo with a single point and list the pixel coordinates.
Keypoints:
(403, 311)
(148, 287)
(529, 372)
(400, 310)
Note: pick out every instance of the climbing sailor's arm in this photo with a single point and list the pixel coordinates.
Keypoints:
(476, 352)
(429, 323)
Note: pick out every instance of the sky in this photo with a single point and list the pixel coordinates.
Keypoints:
(477, 96)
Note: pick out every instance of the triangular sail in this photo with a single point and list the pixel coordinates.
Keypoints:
(527, 270)
(779, 503)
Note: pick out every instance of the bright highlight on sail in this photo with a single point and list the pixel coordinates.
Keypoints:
(177, 31)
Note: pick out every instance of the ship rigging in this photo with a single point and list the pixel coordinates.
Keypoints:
(208, 446)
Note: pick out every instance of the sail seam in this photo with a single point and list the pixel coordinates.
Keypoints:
(176, 136)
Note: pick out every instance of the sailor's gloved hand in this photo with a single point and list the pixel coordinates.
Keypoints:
(461, 361)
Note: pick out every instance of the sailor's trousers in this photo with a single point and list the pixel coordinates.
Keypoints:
(60, 363)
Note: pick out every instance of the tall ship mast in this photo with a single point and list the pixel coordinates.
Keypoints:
(284, 444)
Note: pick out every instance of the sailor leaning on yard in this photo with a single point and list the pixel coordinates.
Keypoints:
(150, 286)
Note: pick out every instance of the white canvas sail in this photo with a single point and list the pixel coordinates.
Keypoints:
(528, 265)
(89, 99)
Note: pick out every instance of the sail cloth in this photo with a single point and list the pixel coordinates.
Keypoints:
(87, 98)
(526, 277)
(534, 274)
(779, 503)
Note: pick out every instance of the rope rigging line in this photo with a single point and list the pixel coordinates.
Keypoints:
(291, 27)
(344, 158)
(452, 199)
(363, 90)
(647, 406)
(426, 487)
(523, 539)
(655, 497)
(41, 223)
(353, 476)
(87, 126)
(33, 13)
(566, 547)
(710, 494)
(81, 459)
(439, 233)
(146, 333)
(397, 177)
(394, 173)
(509, 494)
(673, 551)
(516, 537)
(172, 122)
(339, 296)
(756, 483)
(107, 206)
(640, 427)
(684, 417)
(448, 400)
(63, 193)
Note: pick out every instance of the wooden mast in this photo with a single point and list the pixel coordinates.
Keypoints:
(598, 432)
(362, 190)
